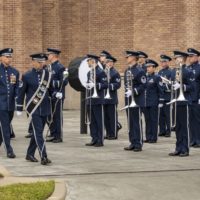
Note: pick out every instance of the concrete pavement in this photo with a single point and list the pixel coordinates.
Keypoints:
(109, 172)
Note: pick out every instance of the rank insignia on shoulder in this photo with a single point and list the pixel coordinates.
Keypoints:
(160, 83)
(118, 80)
(143, 79)
(20, 84)
(151, 81)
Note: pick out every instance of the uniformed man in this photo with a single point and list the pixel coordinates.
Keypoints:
(96, 84)
(35, 86)
(164, 121)
(183, 84)
(58, 85)
(142, 60)
(9, 80)
(195, 107)
(135, 83)
(111, 99)
(153, 100)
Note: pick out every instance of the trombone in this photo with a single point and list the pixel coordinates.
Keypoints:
(89, 96)
(129, 81)
(108, 79)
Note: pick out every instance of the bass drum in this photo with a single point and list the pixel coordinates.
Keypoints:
(78, 69)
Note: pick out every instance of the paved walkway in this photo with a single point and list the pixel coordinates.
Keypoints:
(109, 172)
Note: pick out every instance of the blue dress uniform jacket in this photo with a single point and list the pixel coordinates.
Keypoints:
(9, 80)
(101, 85)
(8, 90)
(28, 86)
(139, 85)
(164, 120)
(167, 73)
(153, 96)
(115, 84)
(154, 90)
(110, 107)
(57, 78)
(195, 94)
(194, 116)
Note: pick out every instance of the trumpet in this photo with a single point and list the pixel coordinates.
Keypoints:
(165, 80)
(129, 81)
(92, 79)
(108, 78)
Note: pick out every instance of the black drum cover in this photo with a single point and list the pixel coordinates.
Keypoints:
(73, 78)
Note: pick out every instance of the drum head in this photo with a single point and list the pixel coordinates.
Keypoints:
(78, 70)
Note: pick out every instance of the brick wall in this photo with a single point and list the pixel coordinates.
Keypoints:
(81, 26)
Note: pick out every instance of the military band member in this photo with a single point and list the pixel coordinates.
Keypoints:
(37, 105)
(181, 73)
(9, 81)
(110, 106)
(142, 60)
(58, 86)
(164, 121)
(96, 83)
(135, 83)
(195, 106)
(153, 100)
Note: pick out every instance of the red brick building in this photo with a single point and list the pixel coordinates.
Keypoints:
(81, 26)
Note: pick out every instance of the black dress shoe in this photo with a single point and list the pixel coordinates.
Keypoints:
(90, 144)
(59, 140)
(98, 145)
(137, 149)
(29, 135)
(176, 153)
(161, 134)
(44, 161)
(152, 141)
(119, 126)
(167, 135)
(50, 140)
(31, 158)
(106, 137)
(11, 155)
(185, 154)
(146, 141)
(48, 160)
(12, 135)
(129, 148)
(196, 145)
(112, 138)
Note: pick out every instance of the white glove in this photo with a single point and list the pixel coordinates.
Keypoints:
(65, 74)
(176, 86)
(128, 93)
(90, 85)
(59, 95)
(19, 113)
(160, 105)
(199, 101)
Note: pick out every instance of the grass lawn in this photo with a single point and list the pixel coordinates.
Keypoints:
(27, 191)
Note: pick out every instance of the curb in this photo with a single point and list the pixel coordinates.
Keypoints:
(4, 171)
(60, 191)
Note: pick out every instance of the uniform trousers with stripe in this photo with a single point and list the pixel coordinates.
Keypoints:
(37, 140)
(96, 125)
(56, 127)
(5, 129)
(182, 129)
(110, 120)
(135, 129)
